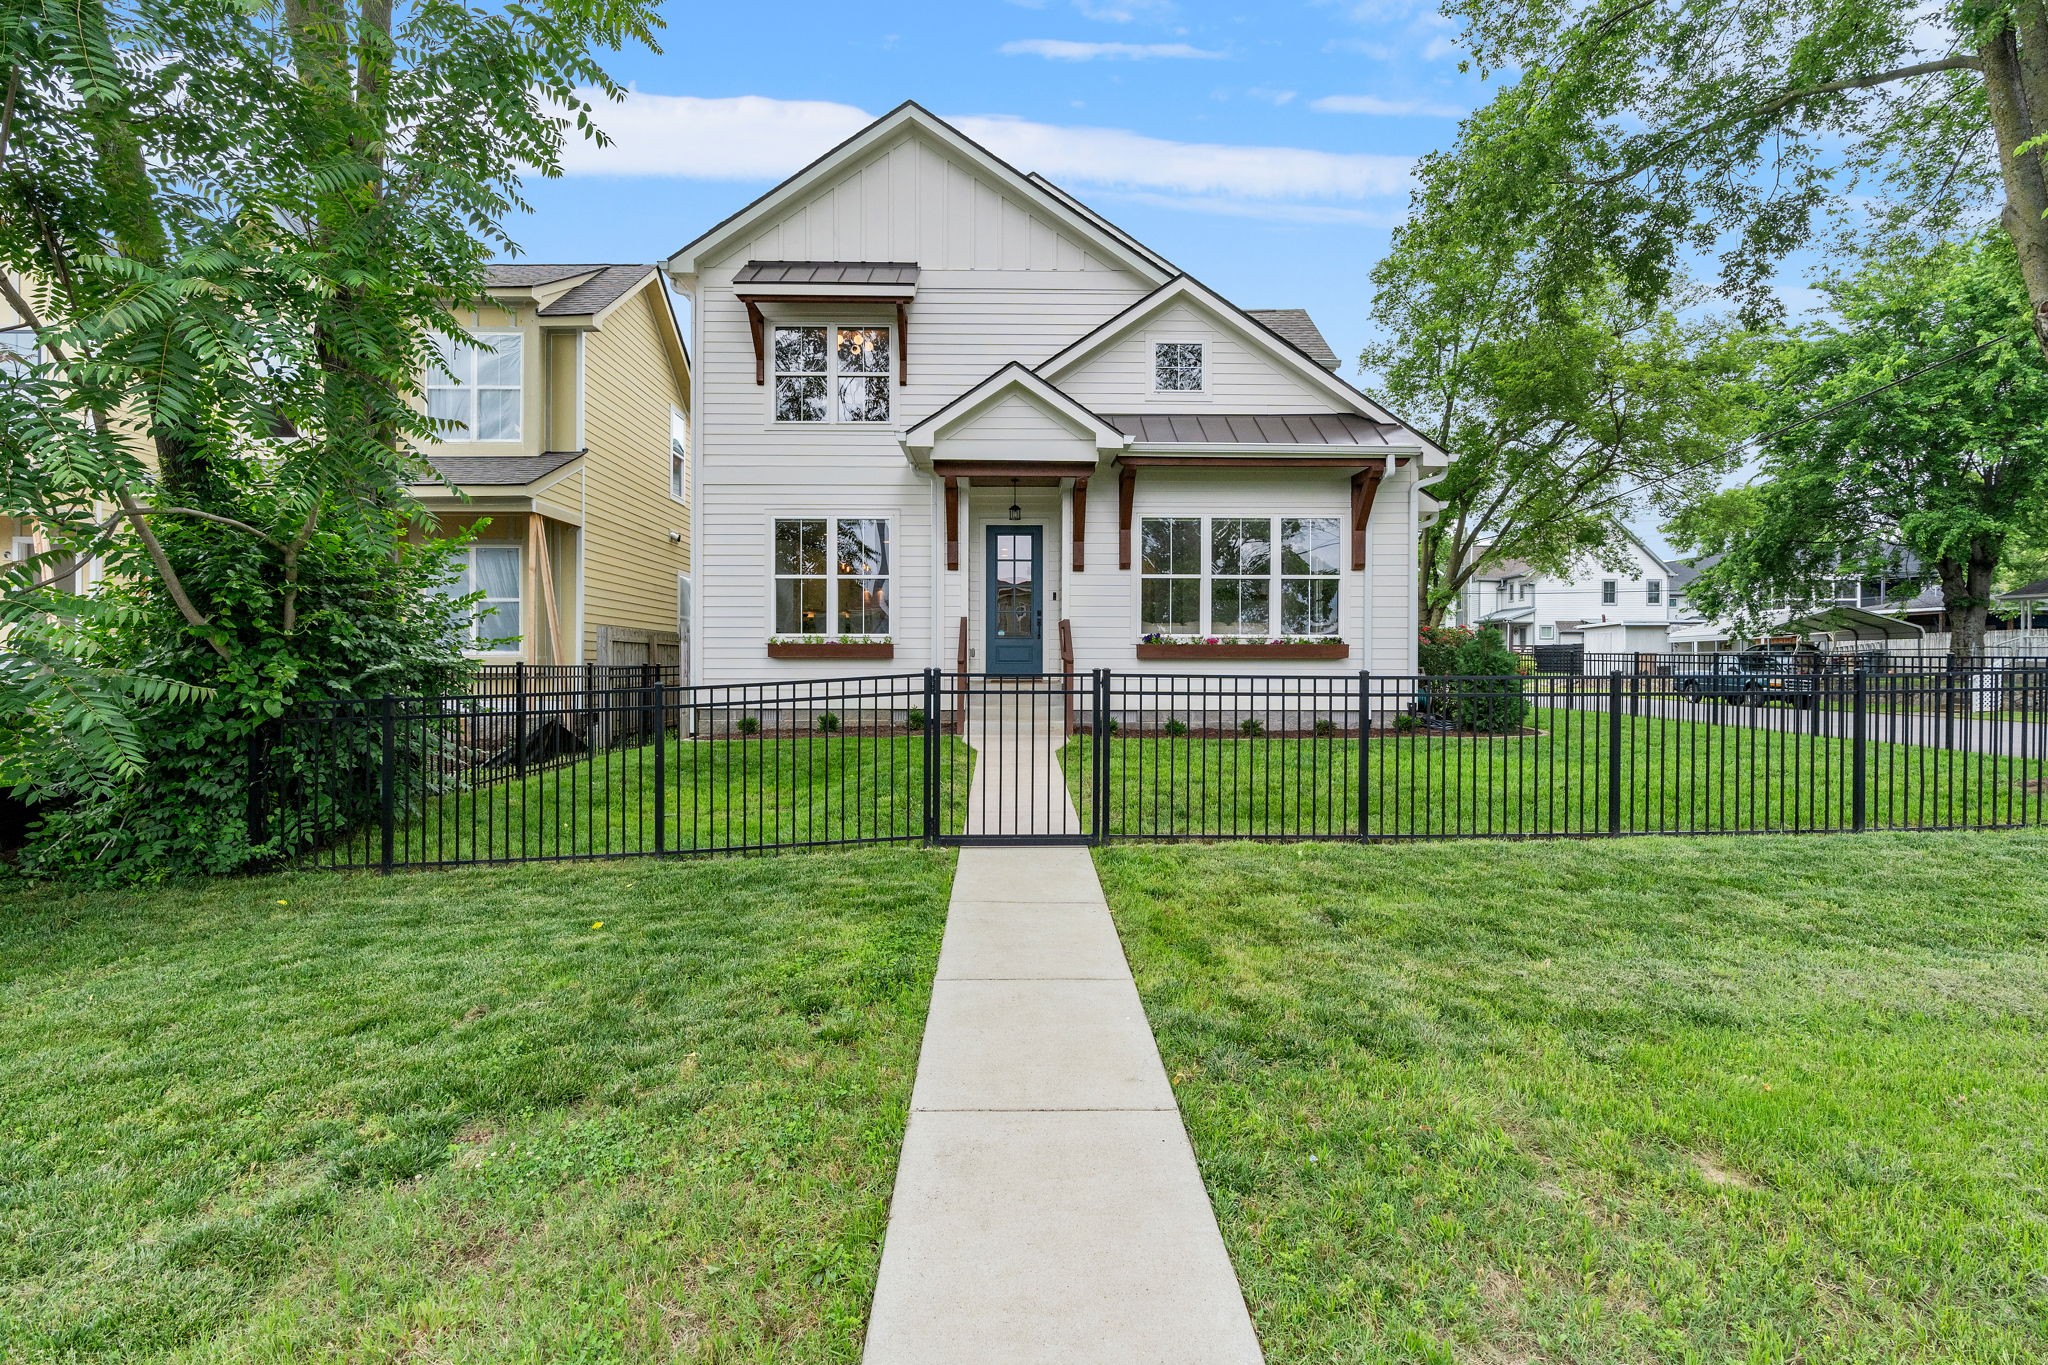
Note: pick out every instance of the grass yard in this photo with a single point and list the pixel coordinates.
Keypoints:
(1643, 1100)
(449, 1117)
(717, 795)
(1678, 776)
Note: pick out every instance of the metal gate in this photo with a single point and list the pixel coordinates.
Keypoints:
(1025, 771)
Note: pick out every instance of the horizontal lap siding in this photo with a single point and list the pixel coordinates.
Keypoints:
(1236, 377)
(629, 385)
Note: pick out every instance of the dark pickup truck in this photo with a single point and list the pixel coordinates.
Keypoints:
(1752, 679)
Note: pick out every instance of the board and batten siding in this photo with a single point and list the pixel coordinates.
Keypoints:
(999, 281)
(1236, 378)
(629, 386)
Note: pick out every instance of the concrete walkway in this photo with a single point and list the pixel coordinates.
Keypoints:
(1047, 1205)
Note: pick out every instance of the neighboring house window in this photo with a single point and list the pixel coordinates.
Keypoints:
(678, 456)
(847, 381)
(1177, 366)
(479, 393)
(1653, 591)
(1609, 591)
(494, 624)
(831, 576)
(18, 346)
(1546, 633)
(1244, 576)
(1170, 576)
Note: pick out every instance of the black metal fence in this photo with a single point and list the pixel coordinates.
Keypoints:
(1575, 660)
(649, 767)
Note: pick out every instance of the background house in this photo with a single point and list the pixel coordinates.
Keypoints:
(1620, 608)
(571, 457)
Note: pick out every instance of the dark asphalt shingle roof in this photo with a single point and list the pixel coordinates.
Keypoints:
(2038, 588)
(607, 285)
(478, 470)
(827, 272)
(1211, 428)
(1294, 325)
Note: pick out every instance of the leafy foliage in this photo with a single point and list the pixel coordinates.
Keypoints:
(1495, 701)
(1950, 465)
(1437, 648)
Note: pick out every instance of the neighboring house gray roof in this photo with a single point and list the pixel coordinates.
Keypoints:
(463, 470)
(2035, 591)
(1288, 429)
(1294, 325)
(827, 272)
(1506, 568)
(609, 284)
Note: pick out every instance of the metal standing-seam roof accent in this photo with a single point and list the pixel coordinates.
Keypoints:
(1274, 429)
(827, 272)
(500, 470)
(1294, 325)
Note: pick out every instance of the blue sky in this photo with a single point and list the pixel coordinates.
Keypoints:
(1262, 148)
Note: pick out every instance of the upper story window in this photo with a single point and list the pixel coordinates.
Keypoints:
(479, 394)
(1653, 591)
(678, 456)
(1610, 592)
(18, 346)
(832, 374)
(1177, 366)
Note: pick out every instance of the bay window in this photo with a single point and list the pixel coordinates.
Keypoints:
(478, 396)
(493, 625)
(831, 576)
(832, 374)
(1239, 576)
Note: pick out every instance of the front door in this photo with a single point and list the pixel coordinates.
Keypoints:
(1016, 634)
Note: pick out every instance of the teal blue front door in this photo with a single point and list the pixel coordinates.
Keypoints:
(1016, 635)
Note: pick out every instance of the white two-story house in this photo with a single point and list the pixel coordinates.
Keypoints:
(948, 416)
(1626, 605)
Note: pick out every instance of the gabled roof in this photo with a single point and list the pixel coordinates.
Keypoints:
(910, 115)
(2037, 591)
(592, 288)
(1250, 330)
(500, 471)
(1014, 377)
(1298, 329)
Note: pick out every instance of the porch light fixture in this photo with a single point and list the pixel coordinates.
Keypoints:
(1016, 512)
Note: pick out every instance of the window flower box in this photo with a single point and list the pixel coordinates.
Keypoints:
(1239, 648)
(831, 647)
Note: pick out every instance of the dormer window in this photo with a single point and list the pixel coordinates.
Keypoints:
(845, 381)
(479, 393)
(1177, 366)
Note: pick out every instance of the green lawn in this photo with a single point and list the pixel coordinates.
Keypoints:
(1644, 1100)
(717, 796)
(1678, 776)
(446, 1117)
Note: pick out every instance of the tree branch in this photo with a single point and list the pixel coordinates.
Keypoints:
(138, 517)
(7, 112)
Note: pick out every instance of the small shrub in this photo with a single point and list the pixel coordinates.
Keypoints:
(1488, 693)
(1325, 726)
(747, 725)
(1436, 649)
(1251, 727)
(914, 718)
(1175, 726)
(1405, 722)
(828, 721)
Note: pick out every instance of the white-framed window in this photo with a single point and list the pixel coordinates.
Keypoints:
(1610, 592)
(831, 576)
(495, 621)
(1545, 634)
(678, 455)
(480, 391)
(1177, 367)
(1271, 576)
(1653, 591)
(832, 374)
(18, 346)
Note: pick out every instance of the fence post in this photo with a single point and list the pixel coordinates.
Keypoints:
(519, 731)
(1614, 752)
(1364, 752)
(931, 755)
(660, 767)
(1098, 735)
(387, 815)
(1859, 782)
(257, 816)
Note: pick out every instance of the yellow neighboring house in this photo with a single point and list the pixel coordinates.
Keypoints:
(573, 441)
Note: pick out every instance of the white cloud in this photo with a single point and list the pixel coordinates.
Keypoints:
(1272, 96)
(1373, 104)
(1123, 11)
(1064, 50)
(1313, 214)
(756, 138)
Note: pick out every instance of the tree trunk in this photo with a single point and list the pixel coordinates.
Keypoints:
(2015, 91)
(1966, 597)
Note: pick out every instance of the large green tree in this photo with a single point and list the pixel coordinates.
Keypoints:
(1879, 446)
(234, 227)
(1637, 136)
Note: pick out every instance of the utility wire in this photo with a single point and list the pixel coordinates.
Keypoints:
(1854, 399)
